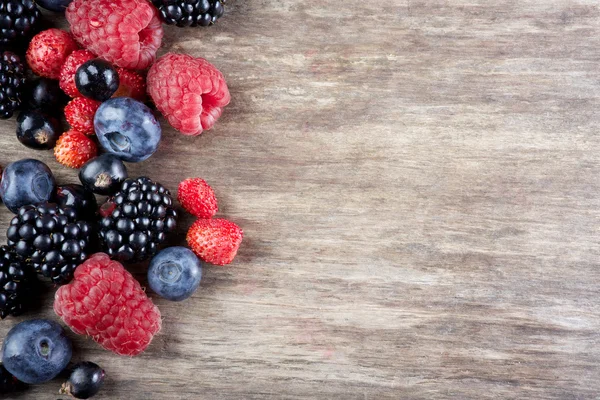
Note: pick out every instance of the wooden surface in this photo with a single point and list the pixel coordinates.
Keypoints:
(418, 182)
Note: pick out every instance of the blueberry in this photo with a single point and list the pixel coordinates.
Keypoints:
(25, 182)
(103, 174)
(78, 197)
(97, 79)
(54, 5)
(46, 94)
(36, 351)
(37, 130)
(175, 273)
(85, 380)
(127, 128)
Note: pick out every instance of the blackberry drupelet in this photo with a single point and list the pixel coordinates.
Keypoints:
(18, 20)
(51, 239)
(136, 220)
(16, 280)
(12, 82)
(190, 12)
(8, 383)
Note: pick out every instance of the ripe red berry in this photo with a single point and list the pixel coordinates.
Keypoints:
(126, 33)
(195, 99)
(215, 240)
(197, 198)
(131, 84)
(105, 301)
(79, 113)
(67, 72)
(48, 51)
(73, 149)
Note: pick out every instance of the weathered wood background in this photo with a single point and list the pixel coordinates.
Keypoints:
(418, 182)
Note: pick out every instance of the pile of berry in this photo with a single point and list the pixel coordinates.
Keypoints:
(104, 79)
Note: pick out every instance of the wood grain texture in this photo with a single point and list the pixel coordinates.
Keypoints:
(418, 186)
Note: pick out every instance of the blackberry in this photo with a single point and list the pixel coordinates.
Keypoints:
(190, 12)
(136, 220)
(51, 239)
(8, 383)
(16, 280)
(12, 82)
(18, 20)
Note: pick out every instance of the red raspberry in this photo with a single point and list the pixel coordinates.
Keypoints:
(197, 198)
(105, 302)
(126, 33)
(215, 240)
(73, 149)
(189, 92)
(67, 72)
(48, 51)
(131, 84)
(79, 113)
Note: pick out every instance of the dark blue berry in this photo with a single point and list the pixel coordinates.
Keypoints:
(85, 380)
(37, 130)
(127, 128)
(175, 273)
(25, 182)
(54, 5)
(36, 351)
(44, 93)
(103, 174)
(97, 79)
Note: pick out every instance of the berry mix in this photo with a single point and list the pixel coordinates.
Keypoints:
(104, 80)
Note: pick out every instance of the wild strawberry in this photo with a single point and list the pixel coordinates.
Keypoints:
(48, 51)
(197, 198)
(215, 240)
(79, 113)
(73, 149)
(131, 84)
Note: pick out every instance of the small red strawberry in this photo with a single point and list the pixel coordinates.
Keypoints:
(197, 198)
(215, 240)
(67, 72)
(48, 51)
(131, 84)
(79, 113)
(73, 149)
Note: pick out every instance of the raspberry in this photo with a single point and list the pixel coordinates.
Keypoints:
(79, 113)
(105, 302)
(126, 33)
(215, 240)
(67, 72)
(131, 84)
(73, 149)
(48, 51)
(197, 198)
(189, 92)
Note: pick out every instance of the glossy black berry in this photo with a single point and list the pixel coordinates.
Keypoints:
(85, 380)
(97, 79)
(8, 383)
(190, 12)
(103, 174)
(12, 81)
(16, 281)
(37, 130)
(44, 93)
(79, 198)
(51, 239)
(136, 220)
(18, 20)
